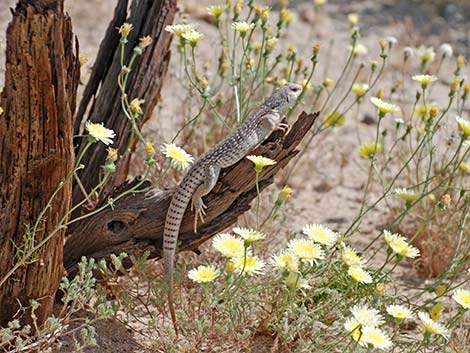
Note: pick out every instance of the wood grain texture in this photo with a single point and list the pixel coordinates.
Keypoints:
(135, 224)
(36, 153)
(101, 100)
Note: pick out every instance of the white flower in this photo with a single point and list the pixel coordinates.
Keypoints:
(306, 250)
(464, 125)
(367, 316)
(399, 312)
(400, 245)
(179, 157)
(376, 337)
(203, 274)
(433, 327)
(462, 297)
(249, 235)
(250, 265)
(424, 79)
(358, 49)
(242, 26)
(179, 29)
(100, 133)
(321, 234)
(286, 261)
(192, 36)
(445, 49)
(384, 107)
(359, 274)
(228, 245)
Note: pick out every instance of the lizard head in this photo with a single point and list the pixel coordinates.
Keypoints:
(292, 92)
(283, 96)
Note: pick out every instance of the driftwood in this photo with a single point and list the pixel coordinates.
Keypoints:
(135, 224)
(36, 154)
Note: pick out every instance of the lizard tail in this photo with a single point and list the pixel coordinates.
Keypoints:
(171, 303)
(178, 205)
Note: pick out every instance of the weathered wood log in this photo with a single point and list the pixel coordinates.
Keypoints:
(135, 223)
(101, 101)
(36, 153)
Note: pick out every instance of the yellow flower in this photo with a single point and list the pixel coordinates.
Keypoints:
(367, 316)
(432, 326)
(249, 265)
(358, 49)
(384, 107)
(192, 36)
(203, 274)
(359, 274)
(359, 89)
(406, 195)
(351, 258)
(370, 149)
(261, 162)
(262, 12)
(375, 337)
(424, 111)
(436, 311)
(425, 80)
(335, 120)
(179, 157)
(284, 194)
(353, 328)
(399, 245)
(426, 55)
(149, 149)
(179, 29)
(464, 125)
(306, 250)
(145, 41)
(249, 235)
(271, 43)
(216, 10)
(228, 245)
(286, 261)
(399, 312)
(353, 19)
(319, 3)
(462, 297)
(320, 234)
(287, 16)
(135, 106)
(113, 154)
(242, 27)
(99, 133)
(328, 82)
(125, 29)
(295, 280)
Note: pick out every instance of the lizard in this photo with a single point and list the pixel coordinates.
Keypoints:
(202, 176)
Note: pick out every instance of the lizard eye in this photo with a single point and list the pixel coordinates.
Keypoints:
(295, 89)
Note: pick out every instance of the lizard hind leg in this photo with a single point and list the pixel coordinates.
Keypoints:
(211, 174)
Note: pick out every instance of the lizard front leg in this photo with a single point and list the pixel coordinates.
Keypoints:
(211, 174)
(267, 124)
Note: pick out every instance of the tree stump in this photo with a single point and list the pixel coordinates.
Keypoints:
(36, 153)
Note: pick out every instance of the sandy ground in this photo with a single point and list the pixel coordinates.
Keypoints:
(329, 182)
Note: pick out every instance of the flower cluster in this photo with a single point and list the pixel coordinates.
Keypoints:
(399, 245)
(364, 327)
(355, 265)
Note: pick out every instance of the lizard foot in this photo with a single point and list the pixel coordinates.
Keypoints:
(283, 127)
(198, 207)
